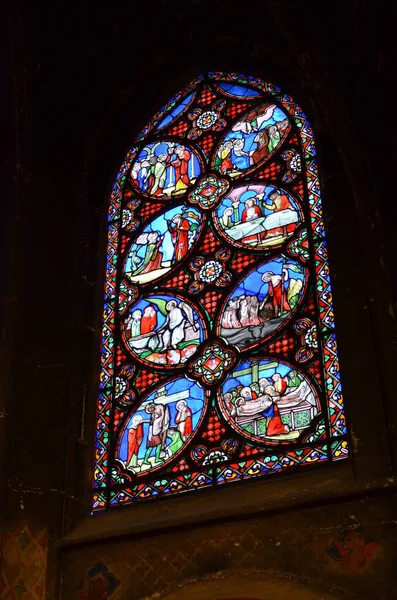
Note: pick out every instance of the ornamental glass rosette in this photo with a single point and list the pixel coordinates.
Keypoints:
(218, 359)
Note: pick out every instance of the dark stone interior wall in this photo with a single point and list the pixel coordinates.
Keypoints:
(81, 81)
(288, 545)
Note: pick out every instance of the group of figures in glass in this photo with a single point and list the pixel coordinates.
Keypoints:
(210, 206)
(166, 329)
(251, 140)
(165, 169)
(258, 216)
(162, 425)
(254, 216)
(269, 399)
(163, 330)
(163, 243)
(262, 399)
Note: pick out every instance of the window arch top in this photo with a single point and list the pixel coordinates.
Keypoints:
(218, 359)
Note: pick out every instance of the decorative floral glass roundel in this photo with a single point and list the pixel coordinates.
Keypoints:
(219, 357)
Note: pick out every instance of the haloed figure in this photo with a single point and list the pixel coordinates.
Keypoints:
(276, 292)
(251, 210)
(153, 256)
(134, 323)
(179, 229)
(158, 426)
(173, 330)
(180, 161)
(274, 138)
(183, 419)
(159, 175)
(240, 158)
(248, 394)
(149, 320)
(135, 437)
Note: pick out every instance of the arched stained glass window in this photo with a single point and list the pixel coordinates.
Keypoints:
(219, 358)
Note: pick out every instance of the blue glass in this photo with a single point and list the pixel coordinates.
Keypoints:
(171, 116)
(238, 90)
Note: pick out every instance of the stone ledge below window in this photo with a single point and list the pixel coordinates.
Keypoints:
(333, 485)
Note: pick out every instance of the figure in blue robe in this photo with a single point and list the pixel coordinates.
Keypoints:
(240, 158)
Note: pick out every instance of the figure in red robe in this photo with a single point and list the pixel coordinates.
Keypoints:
(225, 153)
(148, 320)
(227, 164)
(276, 292)
(179, 229)
(280, 201)
(262, 141)
(280, 384)
(151, 177)
(228, 400)
(183, 419)
(250, 212)
(135, 437)
(355, 549)
(275, 426)
(181, 166)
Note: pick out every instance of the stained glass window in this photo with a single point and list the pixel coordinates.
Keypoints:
(218, 360)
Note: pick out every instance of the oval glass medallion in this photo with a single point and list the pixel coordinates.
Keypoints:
(269, 401)
(257, 216)
(251, 140)
(262, 302)
(162, 425)
(163, 330)
(163, 244)
(165, 169)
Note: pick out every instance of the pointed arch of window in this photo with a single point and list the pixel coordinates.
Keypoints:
(218, 359)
